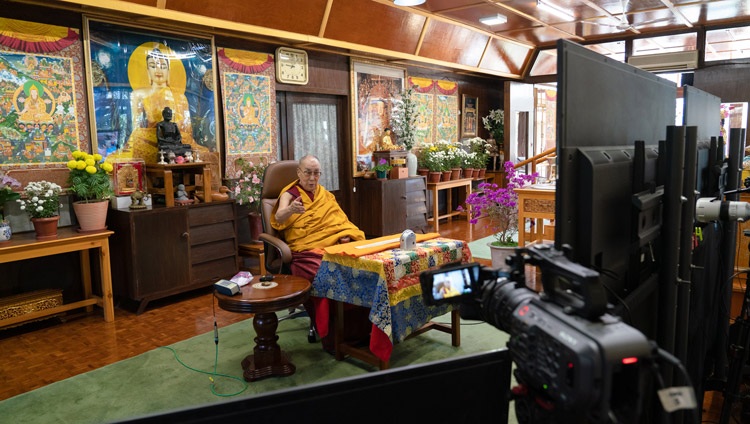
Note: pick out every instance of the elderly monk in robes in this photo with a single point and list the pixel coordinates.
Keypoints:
(310, 219)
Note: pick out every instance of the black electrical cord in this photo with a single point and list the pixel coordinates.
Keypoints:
(671, 359)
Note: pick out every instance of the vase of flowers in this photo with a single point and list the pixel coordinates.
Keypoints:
(8, 185)
(89, 179)
(404, 124)
(495, 124)
(247, 191)
(497, 208)
(41, 201)
(382, 168)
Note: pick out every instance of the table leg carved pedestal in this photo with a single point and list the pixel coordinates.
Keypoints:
(267, 359)
(263, 300)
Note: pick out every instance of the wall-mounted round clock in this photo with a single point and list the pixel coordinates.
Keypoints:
(291, 66)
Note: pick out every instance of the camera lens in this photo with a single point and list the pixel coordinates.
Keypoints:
(500, 301)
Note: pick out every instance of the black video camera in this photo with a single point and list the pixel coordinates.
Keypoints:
(570, 355)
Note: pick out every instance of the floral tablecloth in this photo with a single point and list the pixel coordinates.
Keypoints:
(388, 283)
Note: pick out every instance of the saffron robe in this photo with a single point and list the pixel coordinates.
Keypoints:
(322, 224)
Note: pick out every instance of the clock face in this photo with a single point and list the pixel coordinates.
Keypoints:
(291, 66)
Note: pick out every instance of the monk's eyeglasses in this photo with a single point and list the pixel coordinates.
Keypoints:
(307, 173)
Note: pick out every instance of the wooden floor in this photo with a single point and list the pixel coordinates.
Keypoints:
(37, 354)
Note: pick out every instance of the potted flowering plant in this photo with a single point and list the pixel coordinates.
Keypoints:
(89, 179)
(495, 124)
(42, 202)
(499, 207)
(7, 193)
(382, 168)
(247, 191)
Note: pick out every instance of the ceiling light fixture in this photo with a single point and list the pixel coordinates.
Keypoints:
(408, 2)
(497, 19)
(555, 10)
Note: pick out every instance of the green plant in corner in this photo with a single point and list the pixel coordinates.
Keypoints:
(89, 177)
(404, 119)
(495, 124)
(7, 193)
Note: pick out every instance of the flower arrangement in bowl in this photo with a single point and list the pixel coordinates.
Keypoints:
(89, 177)
(250, 182)
(382, 168)
(499, 205)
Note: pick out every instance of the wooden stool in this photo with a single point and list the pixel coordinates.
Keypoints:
(188, 170)
(254, 250)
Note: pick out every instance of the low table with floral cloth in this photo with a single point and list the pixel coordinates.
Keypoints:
(377, 274)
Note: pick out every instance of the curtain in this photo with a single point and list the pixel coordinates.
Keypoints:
(315, 133)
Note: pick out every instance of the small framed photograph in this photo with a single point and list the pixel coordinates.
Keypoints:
(128, 176)
(469, 112)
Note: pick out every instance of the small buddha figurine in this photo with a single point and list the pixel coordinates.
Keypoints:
(168, 135)
(386, 143)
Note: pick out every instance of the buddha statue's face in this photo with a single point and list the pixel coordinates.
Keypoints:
(158, 70)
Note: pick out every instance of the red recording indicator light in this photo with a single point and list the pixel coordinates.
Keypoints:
(629, 360)
(523, 310)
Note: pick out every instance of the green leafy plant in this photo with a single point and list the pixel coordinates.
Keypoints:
(250, 182)
(89, 177)
(382, 166)
(8, 193)
(498, 205)
(404, 119)
(495, 124)
(41, 199)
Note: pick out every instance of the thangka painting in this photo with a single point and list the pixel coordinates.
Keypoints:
(43, 115)
(249, 98)
(437, 102)
(375, 88)
(135, 74)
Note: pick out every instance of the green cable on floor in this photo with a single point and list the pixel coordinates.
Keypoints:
(211, 374)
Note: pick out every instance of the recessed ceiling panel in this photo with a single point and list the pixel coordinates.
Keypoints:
(382, 26)
(302, 17)
(504, 56)
(452, 43)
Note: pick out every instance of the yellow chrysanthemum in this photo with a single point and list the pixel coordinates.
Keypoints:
(91, 169)
(90, 161)
(97, 157)
(107, 167)
(80, 165)
(72, 164)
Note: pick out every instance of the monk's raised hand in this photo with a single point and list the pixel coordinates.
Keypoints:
(297, 206)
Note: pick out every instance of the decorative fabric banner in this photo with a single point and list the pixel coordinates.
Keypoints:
(245, 61)
(32, 37)
(422, 85)
(42, 103)
(249, 97)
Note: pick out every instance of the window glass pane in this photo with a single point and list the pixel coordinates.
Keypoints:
(728, 43)
(665, 44)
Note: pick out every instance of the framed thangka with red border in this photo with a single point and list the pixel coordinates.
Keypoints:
(42, 106)
(249, 99)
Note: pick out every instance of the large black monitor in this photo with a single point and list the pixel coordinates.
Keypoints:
(604, 107)
(702, 110)
(468, 389)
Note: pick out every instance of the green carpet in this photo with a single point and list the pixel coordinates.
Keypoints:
(155, 381)
(479, 248)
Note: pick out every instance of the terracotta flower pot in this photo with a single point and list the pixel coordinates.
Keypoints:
(446, 176)
(455, 173)
(423, 172)
(91, 216)
(434, 177)
(46, 228)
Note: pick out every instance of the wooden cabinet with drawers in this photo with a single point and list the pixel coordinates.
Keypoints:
(164, 251)
(387, 207)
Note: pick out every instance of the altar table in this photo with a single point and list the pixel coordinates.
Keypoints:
(25, 246)
(388, 283)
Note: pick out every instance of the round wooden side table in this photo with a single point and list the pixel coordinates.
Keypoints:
(263, 300)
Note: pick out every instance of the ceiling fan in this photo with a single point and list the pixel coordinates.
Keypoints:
(622, 23)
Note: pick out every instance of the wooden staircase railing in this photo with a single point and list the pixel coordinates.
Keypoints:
(534, 160)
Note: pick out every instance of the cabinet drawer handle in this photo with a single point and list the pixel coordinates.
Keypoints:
(403, 197)
(185, 234)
